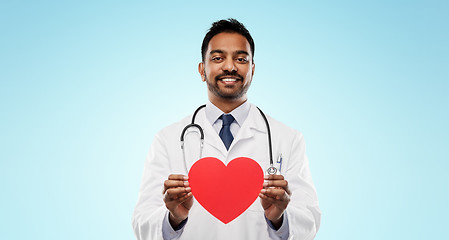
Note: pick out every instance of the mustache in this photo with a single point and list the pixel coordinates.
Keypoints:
(229, 74)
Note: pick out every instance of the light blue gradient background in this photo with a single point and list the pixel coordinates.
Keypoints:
(86, 85)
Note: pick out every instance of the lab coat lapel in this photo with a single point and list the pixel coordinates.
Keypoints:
(211, 137)
(253, 123)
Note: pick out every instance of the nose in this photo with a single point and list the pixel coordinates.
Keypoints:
(229, 65)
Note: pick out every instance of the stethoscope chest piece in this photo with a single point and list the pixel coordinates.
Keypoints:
(272, 170)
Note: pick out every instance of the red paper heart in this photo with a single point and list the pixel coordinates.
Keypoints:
(226, 191)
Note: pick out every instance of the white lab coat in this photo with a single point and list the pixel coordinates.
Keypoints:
(165, 157)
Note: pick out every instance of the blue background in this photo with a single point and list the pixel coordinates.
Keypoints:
(86, 85)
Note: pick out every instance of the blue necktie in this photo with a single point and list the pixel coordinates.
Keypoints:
(225, 132)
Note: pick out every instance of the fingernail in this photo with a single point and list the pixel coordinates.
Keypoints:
(266, 177)
(263, 191)
(188, 189)
(186, 184)
(265, 184)
(186, 178)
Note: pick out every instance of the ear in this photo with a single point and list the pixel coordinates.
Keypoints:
(201, 71)
(254, 67)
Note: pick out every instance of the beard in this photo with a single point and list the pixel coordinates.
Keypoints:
(235, 94)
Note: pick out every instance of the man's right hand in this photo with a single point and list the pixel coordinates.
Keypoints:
(178, 198)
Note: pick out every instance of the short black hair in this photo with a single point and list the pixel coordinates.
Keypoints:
(229, 25)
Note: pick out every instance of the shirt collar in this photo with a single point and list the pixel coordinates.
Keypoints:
(240, 113)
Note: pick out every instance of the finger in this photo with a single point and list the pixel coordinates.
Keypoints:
(178, 177)
(175, 193)
(172, 203)
(174, 183)
(275, 193)
(179, 198)
(267, 198)
(276, 183)
(178, 190)
(187, 196)
(270, 200)
(273, 177)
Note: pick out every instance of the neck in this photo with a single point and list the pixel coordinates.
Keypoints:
(226, 105)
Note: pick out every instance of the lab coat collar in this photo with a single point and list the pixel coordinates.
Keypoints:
(240, 114)
(253, 123)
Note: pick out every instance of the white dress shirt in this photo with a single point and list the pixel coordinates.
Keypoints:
(240, 114)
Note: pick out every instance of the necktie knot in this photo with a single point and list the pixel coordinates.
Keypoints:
(227, 119)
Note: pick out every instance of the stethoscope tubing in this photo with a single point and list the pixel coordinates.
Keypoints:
(269, 136)
(271, 169)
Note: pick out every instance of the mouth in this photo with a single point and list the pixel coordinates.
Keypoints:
(229, 80)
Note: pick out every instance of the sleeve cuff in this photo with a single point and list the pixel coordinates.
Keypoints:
(283, 231)
(167, 230)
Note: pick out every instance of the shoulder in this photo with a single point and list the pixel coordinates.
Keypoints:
(174, 128)
(280, 129)
(170, 135)
(274, 123)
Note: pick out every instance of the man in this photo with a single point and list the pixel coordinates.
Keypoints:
(288, 206)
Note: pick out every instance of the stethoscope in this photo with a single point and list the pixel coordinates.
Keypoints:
(271, 170)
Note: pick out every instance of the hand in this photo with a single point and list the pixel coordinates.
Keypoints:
(178, 198)
(275, 197)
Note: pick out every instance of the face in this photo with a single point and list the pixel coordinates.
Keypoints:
(228, 67)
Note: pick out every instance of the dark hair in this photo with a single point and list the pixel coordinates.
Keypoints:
(230, 26)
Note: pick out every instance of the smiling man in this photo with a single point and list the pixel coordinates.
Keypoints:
(233, 128)
(227, 68)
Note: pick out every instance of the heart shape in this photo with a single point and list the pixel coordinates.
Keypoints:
(226, 191)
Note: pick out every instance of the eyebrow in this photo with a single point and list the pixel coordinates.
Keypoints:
(243, 52)
(216, 51)
(221, 51)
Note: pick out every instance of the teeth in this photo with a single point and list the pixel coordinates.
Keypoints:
(228, 80)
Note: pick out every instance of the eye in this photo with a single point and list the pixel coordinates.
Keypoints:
(217, 58)
(242, 60)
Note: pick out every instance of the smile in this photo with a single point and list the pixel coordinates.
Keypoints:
(228, 79)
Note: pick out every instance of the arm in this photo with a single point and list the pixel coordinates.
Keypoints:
(150, 210)
(303, 213)
(275, 197)
(178, 199)
(291, 207)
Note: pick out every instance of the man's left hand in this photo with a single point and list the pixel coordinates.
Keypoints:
(275, 197)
